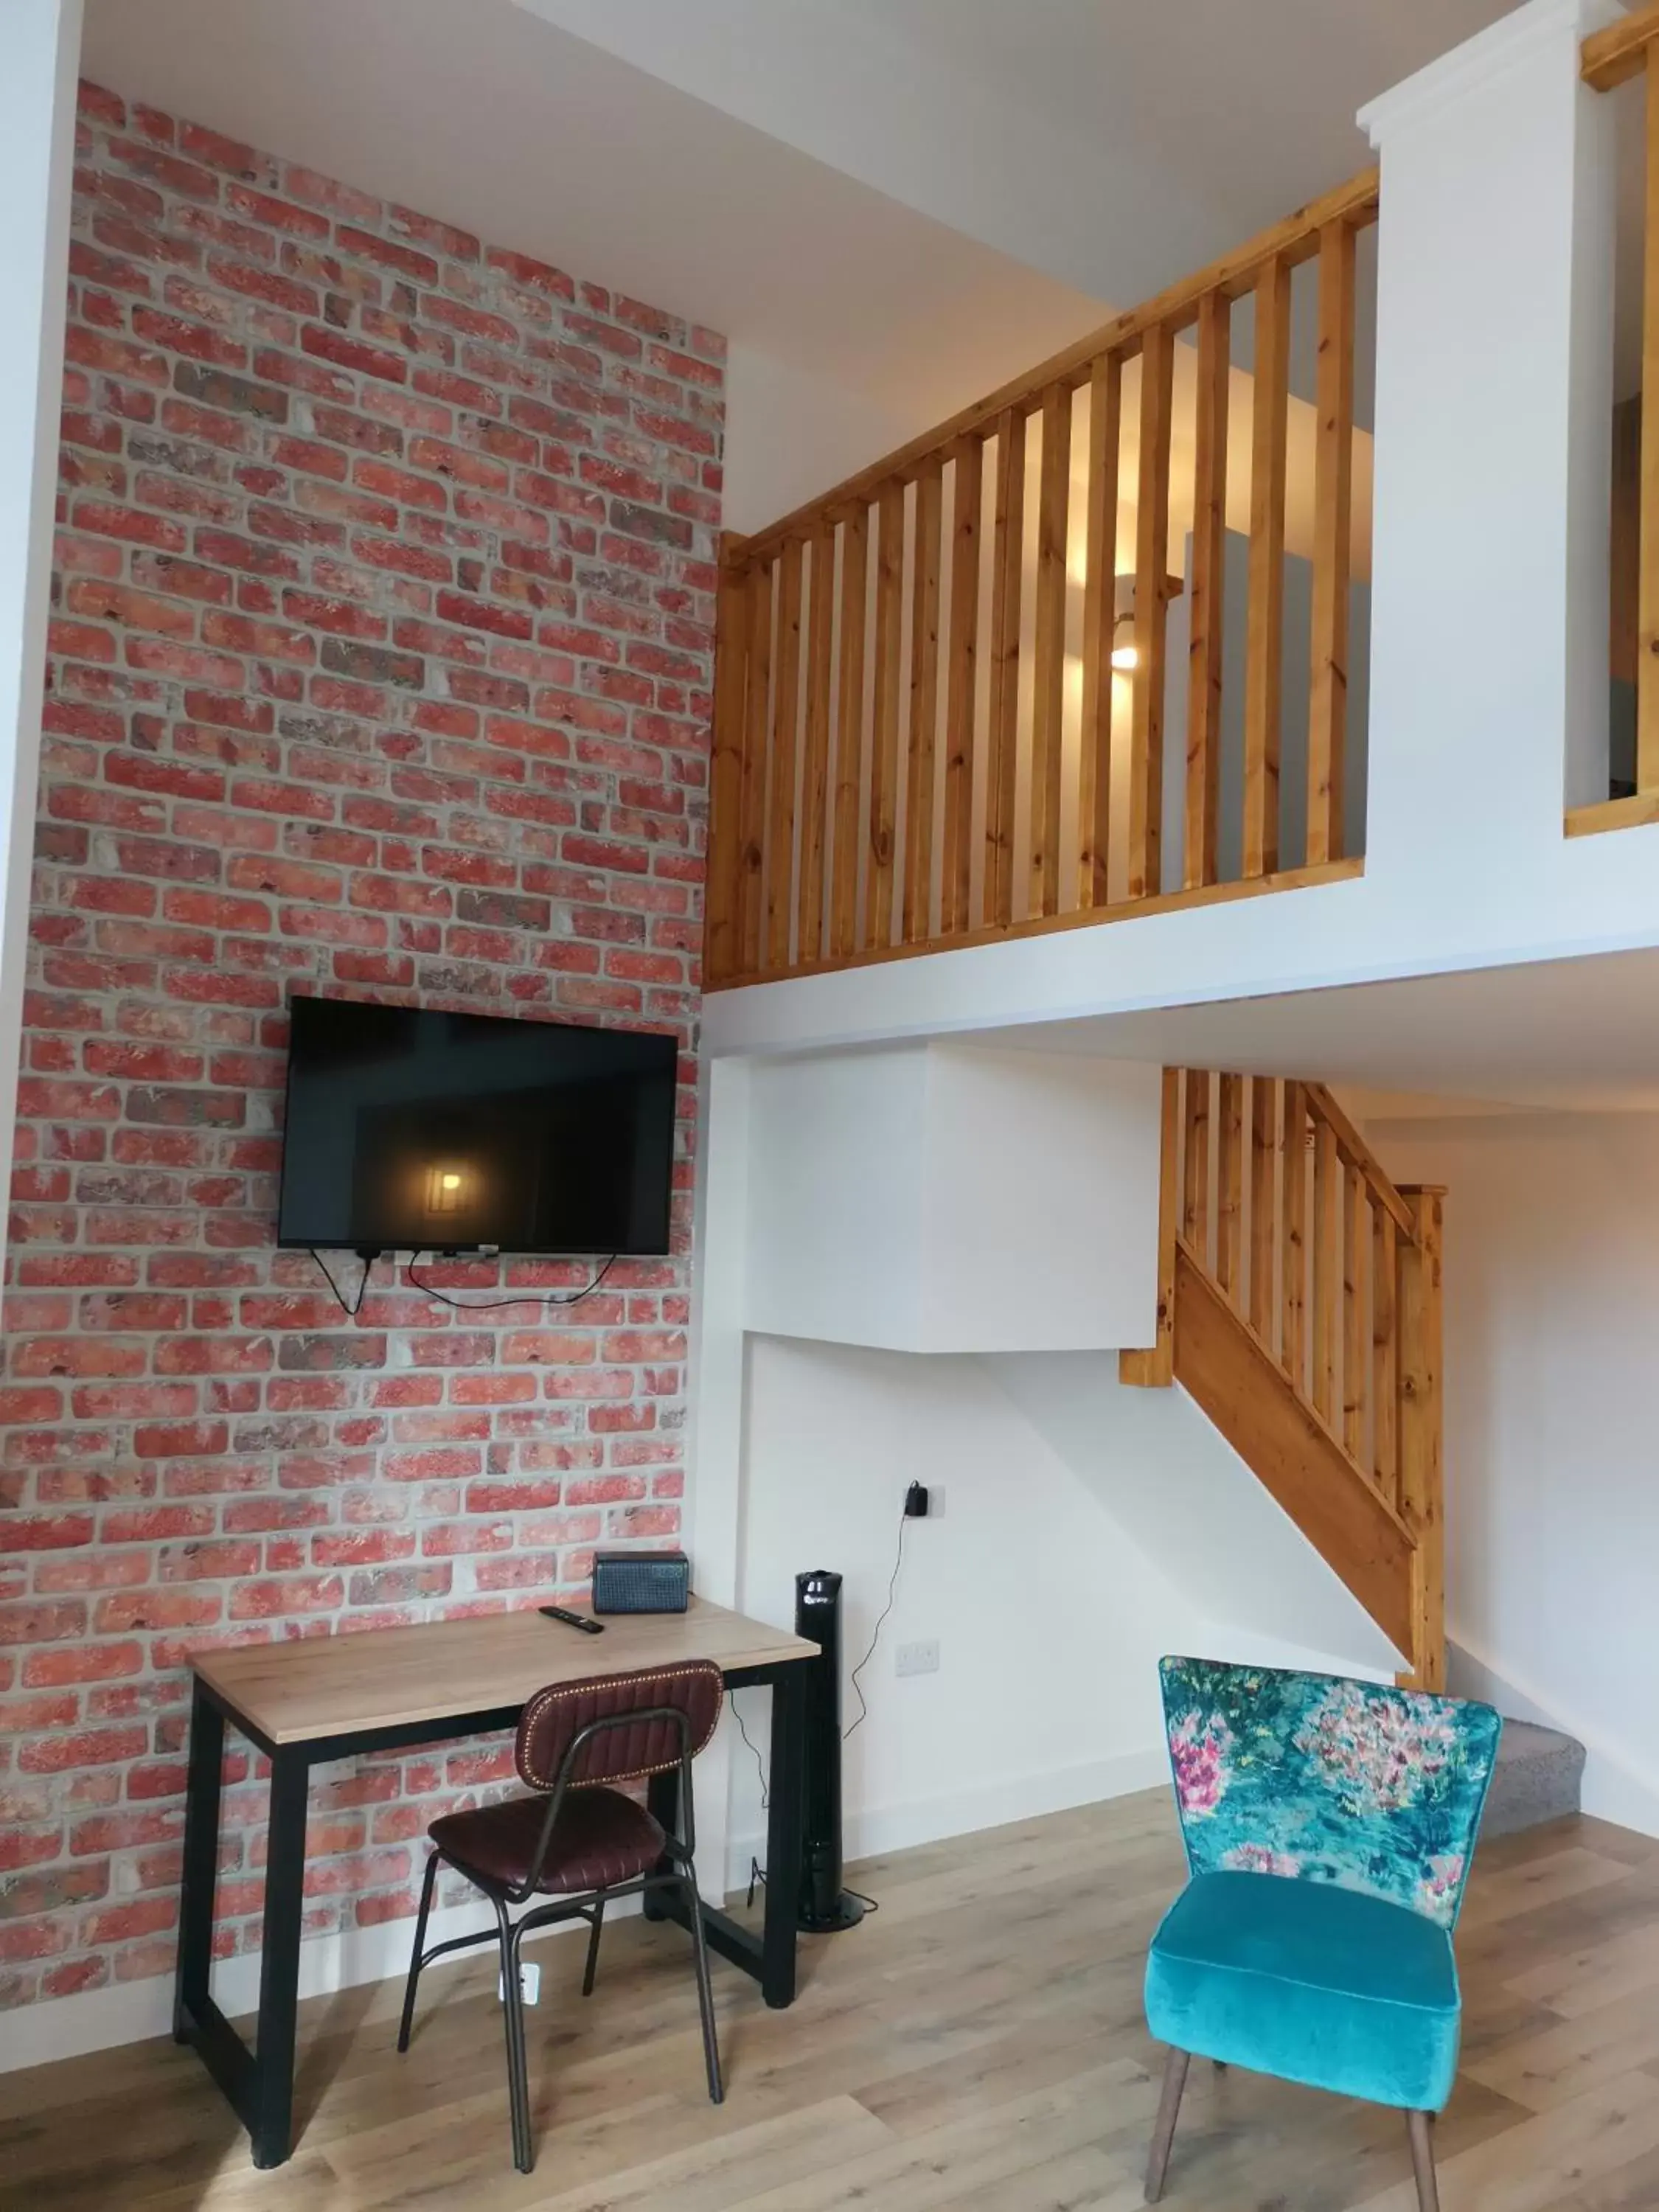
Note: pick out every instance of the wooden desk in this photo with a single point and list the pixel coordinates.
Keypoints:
(324, 1698)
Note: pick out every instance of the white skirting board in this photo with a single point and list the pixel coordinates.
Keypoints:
(131, 2011)
(879, 1829)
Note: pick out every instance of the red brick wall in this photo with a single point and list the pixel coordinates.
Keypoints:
(381, 666)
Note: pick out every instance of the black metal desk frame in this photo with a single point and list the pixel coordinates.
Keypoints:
(260, 2083)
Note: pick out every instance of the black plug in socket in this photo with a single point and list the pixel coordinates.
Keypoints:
(915, 1502)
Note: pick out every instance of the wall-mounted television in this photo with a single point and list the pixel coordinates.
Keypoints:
(419, 1131)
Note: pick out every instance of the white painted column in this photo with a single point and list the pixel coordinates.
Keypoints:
(1494, 389)
(42, 57)
(714, 1452)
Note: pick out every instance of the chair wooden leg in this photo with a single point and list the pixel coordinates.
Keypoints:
(593, 1947)
(420, 1945)
(1420, 2126)
(1169, 2109)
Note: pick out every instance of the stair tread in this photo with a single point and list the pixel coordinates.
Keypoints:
(1523, 1740)
(1537, 1778)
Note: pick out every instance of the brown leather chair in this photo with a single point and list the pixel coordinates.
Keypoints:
(578, 1841)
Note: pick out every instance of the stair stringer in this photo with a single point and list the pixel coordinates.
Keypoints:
(1248, 1398)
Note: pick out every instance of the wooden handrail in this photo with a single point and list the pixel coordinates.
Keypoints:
(1357, 1154)
(911, 752)
(1292, 241)
(1613, 57)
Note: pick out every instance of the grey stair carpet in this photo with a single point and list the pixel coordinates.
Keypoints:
(1536, 1778)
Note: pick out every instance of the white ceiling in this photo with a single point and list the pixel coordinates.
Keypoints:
(475, 110)
(914, 196)
(1116, 144)
(1250, 107)
(1569, 1035)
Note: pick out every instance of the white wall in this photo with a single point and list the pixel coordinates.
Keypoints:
(1551, 1304)
(929, 1198)
(42, 48)
(1157, 1466)
(1050, 1625)
(1050, 1613)
(835, 1203)
(790, 435)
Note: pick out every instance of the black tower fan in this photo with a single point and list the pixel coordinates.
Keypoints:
(825, 1905)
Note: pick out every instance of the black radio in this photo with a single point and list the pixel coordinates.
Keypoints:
(642, 1582)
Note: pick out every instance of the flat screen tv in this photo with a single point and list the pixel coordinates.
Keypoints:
(423, 1132)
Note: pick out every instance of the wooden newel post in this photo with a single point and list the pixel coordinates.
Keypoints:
(1422, 1482)
(1155, 1369)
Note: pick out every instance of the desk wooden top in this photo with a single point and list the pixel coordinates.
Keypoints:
(388, 1678)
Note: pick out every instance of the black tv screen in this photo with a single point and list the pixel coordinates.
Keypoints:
(426, 1132)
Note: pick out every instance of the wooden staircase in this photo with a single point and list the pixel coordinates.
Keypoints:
(1299, 1306)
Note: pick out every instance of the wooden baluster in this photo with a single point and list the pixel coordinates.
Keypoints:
(785, 732)
(1264, 648)
(1647, 589)
(1151, 611)
(1385, 1354)
(1326, 1265)
(815, 771)
(1357, 1252)
(1099, 619)
(1328, 711)
(725, 771)
(1156, 1367)
(1230, 1187)
(1264, 1105)
(756, 709)
(961, 687)
(1293, 1238)
(1006, 575)
(884, 736)
(924, 707)
(1204, 664)
(1421, 1500)
(1048, 650)
(849, 735)
(1195, 1170)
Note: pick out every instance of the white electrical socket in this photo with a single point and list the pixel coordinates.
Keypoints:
(917, 1658)
(935, 1501)
(530, 1981)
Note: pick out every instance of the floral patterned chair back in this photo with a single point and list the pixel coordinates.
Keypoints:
(1317, 1778)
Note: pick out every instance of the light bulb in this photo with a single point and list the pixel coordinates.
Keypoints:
(1124, 656)
(446, 1189)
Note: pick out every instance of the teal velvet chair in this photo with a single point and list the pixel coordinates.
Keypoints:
(1329, 1827)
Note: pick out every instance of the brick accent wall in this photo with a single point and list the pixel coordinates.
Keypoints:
(381, 666)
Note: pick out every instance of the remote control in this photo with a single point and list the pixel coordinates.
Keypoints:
(587, 1625)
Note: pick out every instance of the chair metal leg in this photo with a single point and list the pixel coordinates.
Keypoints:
(593, 1947)
(711, 2049)
(1169, 2108)
(517, 2083)
(420, 1945)
(1420, 2126)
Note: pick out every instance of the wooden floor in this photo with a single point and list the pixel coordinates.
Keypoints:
(978, 2045)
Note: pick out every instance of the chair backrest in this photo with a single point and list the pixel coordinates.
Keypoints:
(555, 1716)
(1319, 1779)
